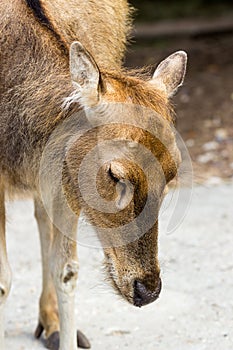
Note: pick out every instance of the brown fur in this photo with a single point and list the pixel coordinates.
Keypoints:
(34, 81)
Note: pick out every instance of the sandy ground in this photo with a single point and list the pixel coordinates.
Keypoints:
(194, 312)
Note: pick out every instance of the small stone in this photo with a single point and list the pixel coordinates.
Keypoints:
(118, 332)
(210, 146)
(205, 158)
(221, 134)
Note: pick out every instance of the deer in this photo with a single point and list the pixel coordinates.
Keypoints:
(64, 93)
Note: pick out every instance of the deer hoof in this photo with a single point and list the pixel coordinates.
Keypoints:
(52, 342)
(82, 341)
(39, 330)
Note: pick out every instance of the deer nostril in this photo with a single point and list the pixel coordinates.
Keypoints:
(144, 296)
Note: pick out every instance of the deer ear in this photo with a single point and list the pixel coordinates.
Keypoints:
(85, 73)
(170, 73)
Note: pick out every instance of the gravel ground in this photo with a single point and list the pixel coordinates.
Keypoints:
(194, 312)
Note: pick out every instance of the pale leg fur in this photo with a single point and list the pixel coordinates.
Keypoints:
(48, 317)
(65, 274)
(60, 272)
(5, 272)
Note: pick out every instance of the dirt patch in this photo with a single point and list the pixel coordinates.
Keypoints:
(204, 105)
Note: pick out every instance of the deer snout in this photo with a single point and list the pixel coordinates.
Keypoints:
(144, 296)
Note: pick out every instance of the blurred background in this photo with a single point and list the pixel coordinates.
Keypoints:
(204, 105)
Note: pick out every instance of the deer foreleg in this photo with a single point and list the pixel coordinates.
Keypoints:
(65, 273)
(48, 316)
(60, 271)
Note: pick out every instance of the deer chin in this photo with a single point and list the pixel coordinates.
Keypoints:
(136, 286)
(125, 288)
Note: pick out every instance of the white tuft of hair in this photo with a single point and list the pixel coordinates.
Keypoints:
(75, 97)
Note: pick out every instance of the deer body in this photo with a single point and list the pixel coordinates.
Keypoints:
(37, 75)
